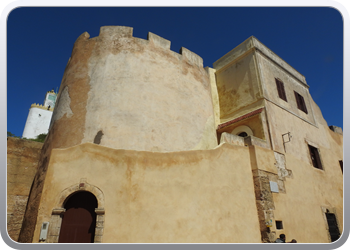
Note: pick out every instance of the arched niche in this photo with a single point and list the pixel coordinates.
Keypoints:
(242, 131)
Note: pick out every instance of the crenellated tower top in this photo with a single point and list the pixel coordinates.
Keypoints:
(113, 33)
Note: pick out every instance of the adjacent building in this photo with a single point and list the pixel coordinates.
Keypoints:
(39, 117)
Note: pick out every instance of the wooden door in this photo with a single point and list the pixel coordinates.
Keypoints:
(79, 220)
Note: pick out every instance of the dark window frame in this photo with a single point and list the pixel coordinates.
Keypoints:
(300, 102)
(333, 228)
(280, 89)
(315, 157)
(279, 224)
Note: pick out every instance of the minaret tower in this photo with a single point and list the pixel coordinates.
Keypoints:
(39, 116)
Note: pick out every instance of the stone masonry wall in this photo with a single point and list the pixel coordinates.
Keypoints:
(22, 163)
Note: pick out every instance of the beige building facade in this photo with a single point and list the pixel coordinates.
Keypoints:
(171, 152)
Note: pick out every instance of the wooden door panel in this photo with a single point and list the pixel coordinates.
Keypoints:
(79, 220)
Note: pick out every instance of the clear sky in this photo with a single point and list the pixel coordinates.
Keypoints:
(40, 41)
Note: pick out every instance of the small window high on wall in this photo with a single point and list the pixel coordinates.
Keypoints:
(315, 157)
(300, 102)
(280, 89)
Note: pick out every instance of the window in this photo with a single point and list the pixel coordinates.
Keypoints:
(300, 102)
(315, 157)
(341, 165)
(279, 224)
(280, 89)
(332, 227)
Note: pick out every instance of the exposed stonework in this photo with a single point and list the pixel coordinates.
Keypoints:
(336, 129)
(264, 198)
(22, 164)
(264, 203)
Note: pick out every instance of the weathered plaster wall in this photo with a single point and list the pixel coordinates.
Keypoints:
(269, 70)
(309, 189)
(282, 122)
(140, 94)
(279, 61)
(239, 51)
(238, 86)
(214, 94)
(22, 163)
(192, 196)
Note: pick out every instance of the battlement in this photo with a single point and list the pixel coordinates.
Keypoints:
(34, 105)
(122, 32)
(51, 92)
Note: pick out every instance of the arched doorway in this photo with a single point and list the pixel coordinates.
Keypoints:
(79, 220)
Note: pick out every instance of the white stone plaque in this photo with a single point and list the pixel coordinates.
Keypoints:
(274, 187)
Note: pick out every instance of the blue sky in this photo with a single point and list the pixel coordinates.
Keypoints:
(40, 41)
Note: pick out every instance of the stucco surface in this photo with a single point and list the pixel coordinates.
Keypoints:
(268, 72)
(310, 189)
(307, 192)
(37, 123)
(237, 85)
(165, 106)
(140, 94)
(193, 196)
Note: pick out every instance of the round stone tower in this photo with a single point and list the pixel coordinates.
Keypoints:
(126, 93)
(129, 93)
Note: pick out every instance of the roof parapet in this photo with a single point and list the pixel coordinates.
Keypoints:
(117, 32)
(192, 57)
(34, 105)
(158, 41)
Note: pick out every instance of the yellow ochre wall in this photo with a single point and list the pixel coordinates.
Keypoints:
(194, 196)
(310, 189)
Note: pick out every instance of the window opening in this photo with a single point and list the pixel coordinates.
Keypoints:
(280, 89)
(315, 157)
(341, 165)
(300, 102)
(279, 224)
(332, 226)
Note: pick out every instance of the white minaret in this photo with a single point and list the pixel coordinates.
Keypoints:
(39, 117)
